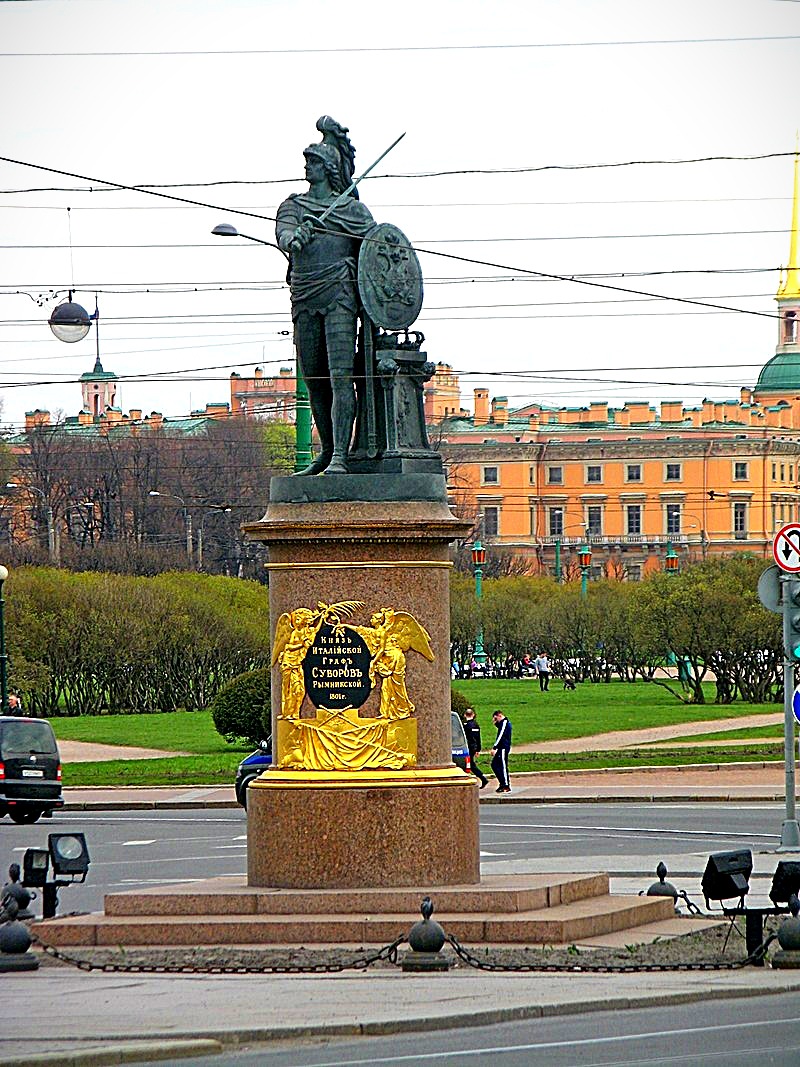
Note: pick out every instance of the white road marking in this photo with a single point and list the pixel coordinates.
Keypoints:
(470, 1053)
(622, 830)
(150, 841)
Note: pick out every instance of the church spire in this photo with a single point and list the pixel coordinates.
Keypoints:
(789, 287)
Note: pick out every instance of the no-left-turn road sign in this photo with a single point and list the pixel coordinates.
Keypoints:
(786, 548)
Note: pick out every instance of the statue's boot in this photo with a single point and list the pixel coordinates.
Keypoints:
(337, 465)
(320, 464)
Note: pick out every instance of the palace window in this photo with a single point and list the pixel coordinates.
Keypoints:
(491, 521)
(555, 517)
(672, 472)
(673, 518)
(555, 475)
(491, 476)
(594, 474)
(633, 520)
(740, 521)
(594, 520)
(740, 472)
(633, 472)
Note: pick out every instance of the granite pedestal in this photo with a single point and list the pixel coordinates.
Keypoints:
(388, 547)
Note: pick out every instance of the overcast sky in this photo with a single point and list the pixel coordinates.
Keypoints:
(512, 85)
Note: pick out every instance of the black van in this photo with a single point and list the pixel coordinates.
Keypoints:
(30, 769)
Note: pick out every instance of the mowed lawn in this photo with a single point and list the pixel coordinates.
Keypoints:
(591, 708)
(558, 714)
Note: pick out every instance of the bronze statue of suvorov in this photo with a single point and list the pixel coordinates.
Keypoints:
(323, 258)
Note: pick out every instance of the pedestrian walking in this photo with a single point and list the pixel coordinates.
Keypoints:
(473, 732)
(14, 704)
(502, 745)
(542, 665)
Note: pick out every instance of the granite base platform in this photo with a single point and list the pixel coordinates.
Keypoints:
(339, 831)
(554, 909)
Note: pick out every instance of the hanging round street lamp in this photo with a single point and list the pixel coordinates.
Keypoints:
(70, 322)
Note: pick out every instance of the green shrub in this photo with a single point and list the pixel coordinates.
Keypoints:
(458, 702)
(241, 709)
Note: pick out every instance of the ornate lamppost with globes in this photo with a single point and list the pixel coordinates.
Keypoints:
(478, 560)
(585, 560)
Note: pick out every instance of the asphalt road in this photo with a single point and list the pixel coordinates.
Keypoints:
(736, 1033)
(148, 848)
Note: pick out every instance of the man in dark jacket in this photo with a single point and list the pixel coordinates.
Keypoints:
(473, 732)
(500, 750)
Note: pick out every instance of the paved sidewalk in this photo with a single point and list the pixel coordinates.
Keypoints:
(707, 782)
(618, 739)
(110, 1012)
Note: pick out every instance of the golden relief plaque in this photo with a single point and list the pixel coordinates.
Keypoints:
(337, 665)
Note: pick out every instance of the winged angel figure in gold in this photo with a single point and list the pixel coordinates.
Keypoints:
(294, 636)
(390, 635)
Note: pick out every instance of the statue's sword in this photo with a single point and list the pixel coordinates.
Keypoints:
(340, 199)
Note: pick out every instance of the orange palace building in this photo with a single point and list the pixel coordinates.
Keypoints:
(637, 481)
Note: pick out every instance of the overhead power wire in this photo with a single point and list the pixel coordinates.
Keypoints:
(153, 187)
(438, 205)
(361, 50)
(431, 252)
(440, 240)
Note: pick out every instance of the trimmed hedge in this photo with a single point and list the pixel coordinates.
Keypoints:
(241, 709)
(458, 702)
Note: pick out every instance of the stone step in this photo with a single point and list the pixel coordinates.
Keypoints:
(558, 924)
(232, 896)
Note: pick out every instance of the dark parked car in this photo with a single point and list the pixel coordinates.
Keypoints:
(259, 760)
(30, 769)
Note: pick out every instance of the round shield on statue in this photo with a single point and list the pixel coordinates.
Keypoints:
(389, 278)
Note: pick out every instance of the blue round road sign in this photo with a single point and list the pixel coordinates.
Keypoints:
(796, 704)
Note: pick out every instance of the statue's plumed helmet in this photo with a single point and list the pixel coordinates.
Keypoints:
(331, 161)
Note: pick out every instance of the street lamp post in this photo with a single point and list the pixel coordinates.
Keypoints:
(187, 518)
(585, 560)
(52, 554)
(478, 560)
(217, 509)
(3, 653)
(302, 403)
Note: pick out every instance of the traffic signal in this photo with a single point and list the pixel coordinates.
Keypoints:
(791, 608)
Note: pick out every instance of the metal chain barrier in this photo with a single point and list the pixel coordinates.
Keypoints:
(604, 968)
(389, 954)
(358, 963)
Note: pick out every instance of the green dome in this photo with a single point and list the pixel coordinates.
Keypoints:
(781, 374)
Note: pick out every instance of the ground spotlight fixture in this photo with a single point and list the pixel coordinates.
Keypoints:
(68, 854)
(727, 875)
(34, 867)
(785, 881)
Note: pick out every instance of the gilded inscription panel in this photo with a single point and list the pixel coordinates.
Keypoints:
(336, 665)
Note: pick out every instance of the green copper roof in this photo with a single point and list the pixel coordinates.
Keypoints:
(98, 372)
(780, 375)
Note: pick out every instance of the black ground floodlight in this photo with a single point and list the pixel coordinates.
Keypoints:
(68, 854)
(785, 881)
(35, 863)
(727, 875)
